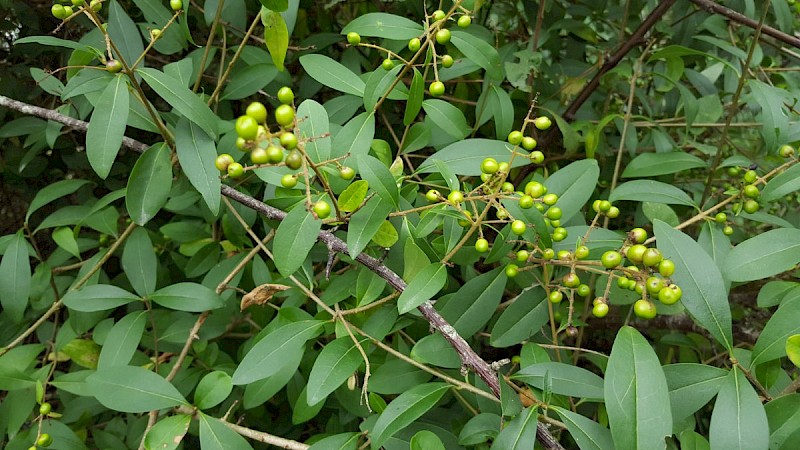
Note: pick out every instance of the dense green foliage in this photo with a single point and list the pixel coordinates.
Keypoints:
(233, 224)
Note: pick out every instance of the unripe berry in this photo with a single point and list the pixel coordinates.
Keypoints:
(721, 217)
(518, 227)
(432, 195)
(522, 256)
(669, 295)
(515, 137)
(322, 209)
(651, 257)
(537, 157)
(223, 161)
(556, 297)
(482, 245)
(638, 235)
(750, 176)
(464, 21)
(512, 270)
(528, 143)
(644, 309)
(635, 253)
(751, 206)
(436, 89)
(235, 170)
(289, 181)
(489, 165)
(542, 122)
(526, 201)
(443, 36)
(582, 252)
(666, 268)
(447, 61)
(550, 199)
(438, 15)
(285, 95)
(353, 38)
(611, 259)
(455, 197)
(600, 310)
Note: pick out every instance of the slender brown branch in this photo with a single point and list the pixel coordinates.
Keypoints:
(715, 8)
(469, 358)
(627, 45)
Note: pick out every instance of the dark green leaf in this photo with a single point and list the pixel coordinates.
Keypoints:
(167, 433)
(343, 441)
(181, 99)
(574, 185)
(704, 293)
(784, 323)
(332, 74)
(149, 184)
(98, 297)
(139, 262)
(479, 52)
(365, 223)
(334, 365)
(434, 349)
(691, 386)
(650, 191)
(53, 192)
(52, 42)
(468, 312)
(314, 125)
(634, 383)
(426, 440)
(563, 379)
(654, 164)
(197, 153)
(276, 36)
(122, 340)
(405, 409)
(355, 138)
(764, 255)
(738, 421)
(378, 84)
(588, 434)
(246, 82)
(124, 33)
(296, 234)
(379, 178)
(107, 126)
(480, 429)
(465, 156)
(382, 25)
(133, 389)
(416, 94)
(783, 415)
(271, 353)
(783, 184)
(15, 278)
(519, 433)
(216, 435)
(427, 283)
(522, 319)
(447, 117)
(191, 297)
(213, 389)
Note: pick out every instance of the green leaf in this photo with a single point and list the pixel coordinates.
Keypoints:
(704, 293)
(588, 434)
(502, 109)
(343, 441)
(139, 262)
(133, 389)
(738, 421)
(97, 297)
(479, 52)
(124, 33)
(364, 224)
(783, 184)
(691, 440)
(468, 312)
(107, 126)
(447, 117)
(52, 42)
(184, 101)
(426, 440)
(246, 82)
(654, 164)
(563, 379)
(416, 94)
(355, 138)
(167, 433)
(634, 383)
(15, 278)
(379, 82)
(149, 184)
(650, 191)
(65, 239)
(12, 379)
(276, 5)
(386, 26)
(793, 349)
(270, 354)
(379, 178)
(276, 36)
(213, 389)
(197, 153)
(465, 157)
(386, 236)
(574, 185)
(122, 340)
(434, 349)
(52, 192)
(333, 74)
(660, 211)
(405, 409)
(216, 435)
(313, 124)
(480, 429)
(775, 292)
(427, 283)
(783, 415)
(296, 234)
(765, 255)
(691, 386)
(352, 197)
(519, 433)
(191, 297)
(334, 365)
(82, 352)
(772, 342)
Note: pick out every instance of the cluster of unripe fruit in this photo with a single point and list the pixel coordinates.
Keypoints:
(254, 137)
(442, 36)
(44, 439)
(62, 11)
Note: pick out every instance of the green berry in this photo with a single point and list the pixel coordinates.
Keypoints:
(289, 181)
(275, 154)
(288, 140)
(489, 166)
(455, 197)
(605, 206)
(247, 127)
(611, 259)
(436, 89)
(733, 171)
(582, 252)
(223, 161)
(518, 227)
(347, 173)
(564, 255)
(443, 36)
(96, 5)
(235, 170)
(286, 95)
(68, 10)
(727, 230)
(294, 160)
(45, 408)
(528, 143)
(537, 157)
(77, 2)
(535, 189)
(466, 220)
(550, 199)
(526, 201)
(522, 256)
(155, 33)
(353, 38)
(600, 310)
(554, 213)
(583, 290)
(556, 297)
(548, 254)
(284, 115)
(635, 253)
(438, 15)
(666, 268)
(507, 187)
(515, 137)
(750, 176)
(571, 280)
(651, 257)
(559, 234)
(44, 440)
(613, 212)
(432, 195)
(644, 309)
(669, 295)
(464, 21)
(751, 206)
(751, 191)
(447, 61)
(512, 270)
(721, 217)
(113, 66)
(638, 235)
(58, 11)
(482, 245)
(786, 151)
(176, 5)
(387, 64)
(542, 123)
(322, 209)
(414, 44)
(257, 111)
(654, 285)
(259, 156)
(503, 167)
(622, 282)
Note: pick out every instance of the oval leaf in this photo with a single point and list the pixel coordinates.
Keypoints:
(191, 297)
(650, 191)
(574, 185)
(167, 433)
(333, 74)
(122, 340)
(107, 126)
(738, 421)
(133, 389)
(654, 164)
(334, 365)
(405, 409)
(763, 256)
(563, 379)
(465, 156)
(212, 389)
(276, 36)
(383, 25)
(139, 262)
(53, 192)
(98, 297)
(181, 99)
(296, 234)
(197, 153)
(427, 283)
(149, 184)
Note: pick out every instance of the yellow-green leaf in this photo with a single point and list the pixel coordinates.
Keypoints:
(276, 36)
